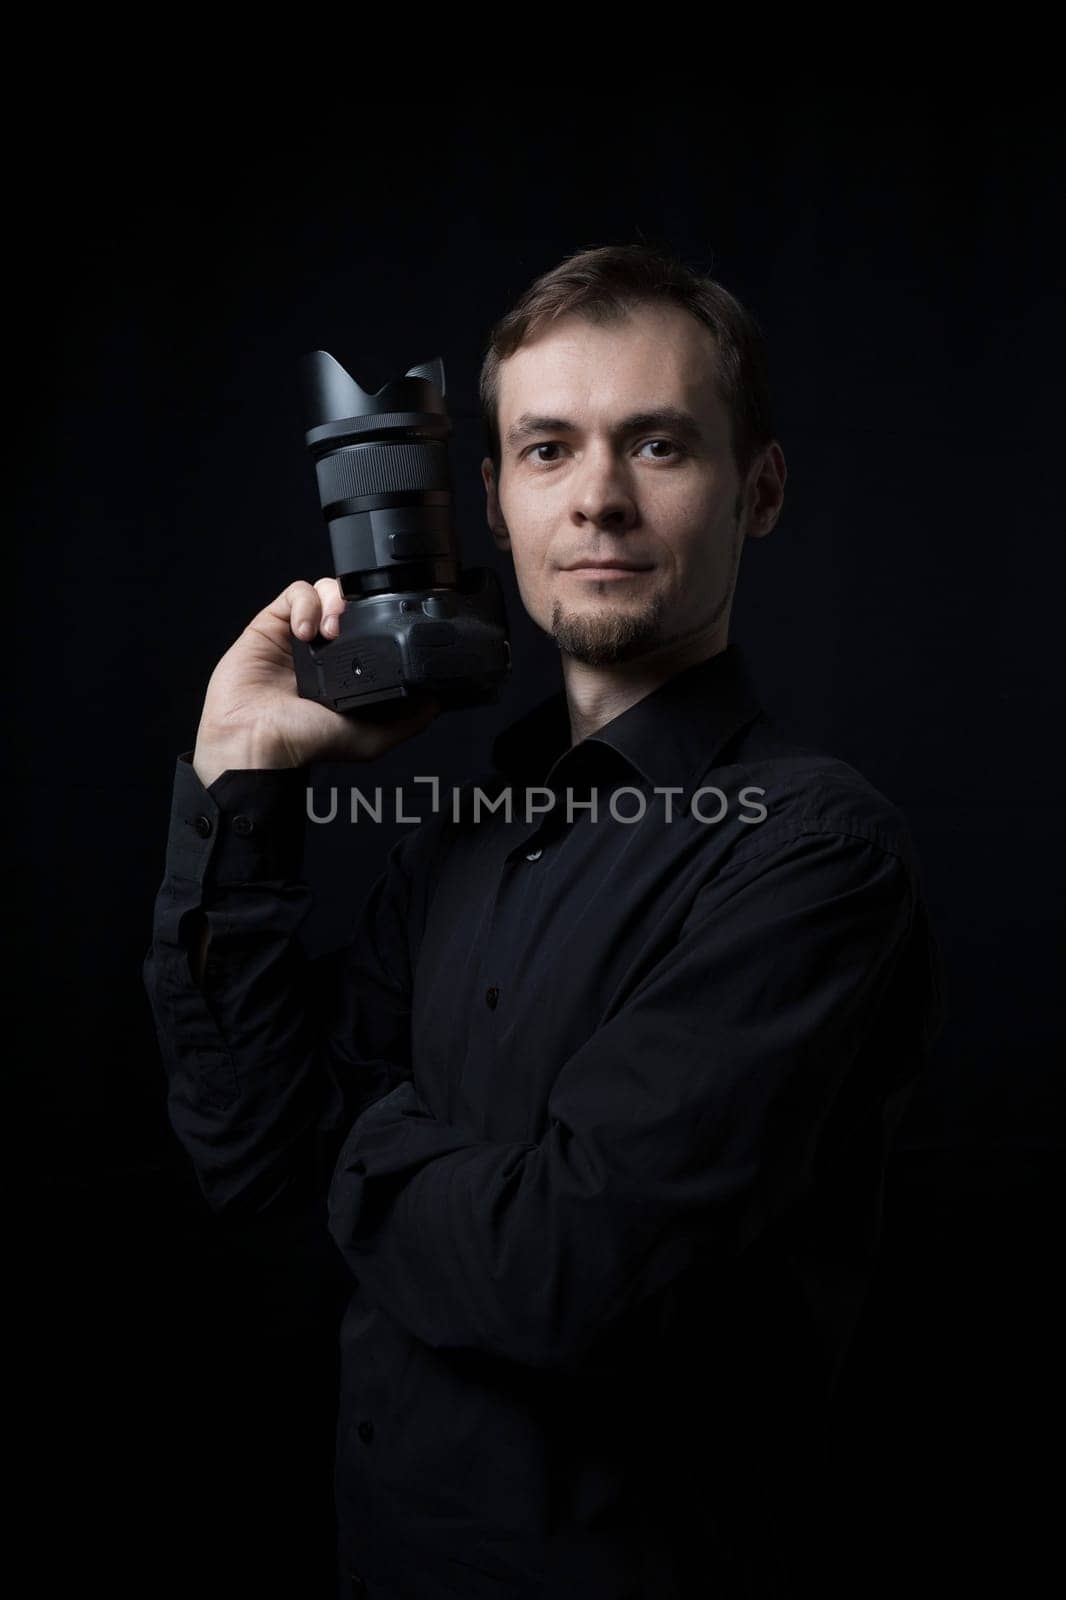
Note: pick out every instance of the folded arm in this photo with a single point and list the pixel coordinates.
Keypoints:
(676, 1133)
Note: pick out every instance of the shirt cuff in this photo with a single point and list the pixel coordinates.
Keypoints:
(246, 827)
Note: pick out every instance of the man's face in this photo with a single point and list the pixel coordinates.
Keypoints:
(616, 447)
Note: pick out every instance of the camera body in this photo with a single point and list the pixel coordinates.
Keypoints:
(389, 647)
(415, 623)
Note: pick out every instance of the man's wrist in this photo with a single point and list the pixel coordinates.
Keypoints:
(237, 753)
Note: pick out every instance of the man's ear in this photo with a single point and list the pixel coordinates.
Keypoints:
(493, 513)
(767, 491)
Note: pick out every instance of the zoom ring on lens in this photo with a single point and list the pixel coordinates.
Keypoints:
(351, 474)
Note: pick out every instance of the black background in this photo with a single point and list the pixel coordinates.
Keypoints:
(902, 252)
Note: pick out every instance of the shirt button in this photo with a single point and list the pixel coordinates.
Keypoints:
(491, 996)
(534, 855)
(242, 825)
(202, 826)
(366, 1431)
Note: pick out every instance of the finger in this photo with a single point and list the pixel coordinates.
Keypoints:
(305, 608)
(333, 604)
(296, 604)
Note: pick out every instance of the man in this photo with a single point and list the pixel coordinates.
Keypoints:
(598, 1095)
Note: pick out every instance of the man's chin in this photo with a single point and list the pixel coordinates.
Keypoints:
(602, 638)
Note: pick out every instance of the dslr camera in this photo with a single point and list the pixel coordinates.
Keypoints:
(415, 623)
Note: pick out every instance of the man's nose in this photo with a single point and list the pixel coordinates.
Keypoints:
(602, 492)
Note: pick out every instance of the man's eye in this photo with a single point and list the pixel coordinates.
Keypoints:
(669, 444)
(553, 444)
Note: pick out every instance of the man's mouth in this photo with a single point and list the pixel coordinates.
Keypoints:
(606, 569)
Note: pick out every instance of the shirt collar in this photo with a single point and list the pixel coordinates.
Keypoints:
(670, 737)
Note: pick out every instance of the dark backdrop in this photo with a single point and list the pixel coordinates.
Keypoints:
(901, 254)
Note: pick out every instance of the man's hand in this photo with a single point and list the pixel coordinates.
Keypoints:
(253, 715)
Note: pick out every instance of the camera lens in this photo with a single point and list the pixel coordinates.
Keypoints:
(384, 476)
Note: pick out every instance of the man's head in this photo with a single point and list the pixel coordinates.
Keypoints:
(627, 412)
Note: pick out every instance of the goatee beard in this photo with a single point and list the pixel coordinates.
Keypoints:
(603, 638)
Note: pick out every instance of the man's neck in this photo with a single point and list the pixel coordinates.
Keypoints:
(596, 695)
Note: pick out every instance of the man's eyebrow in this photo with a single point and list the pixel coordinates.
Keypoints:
(673, 417)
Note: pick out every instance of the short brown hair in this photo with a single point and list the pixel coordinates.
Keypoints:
(604, 284)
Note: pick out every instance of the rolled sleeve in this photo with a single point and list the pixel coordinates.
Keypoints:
(676, 1134)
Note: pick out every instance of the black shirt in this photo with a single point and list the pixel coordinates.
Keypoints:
(596, 1108)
